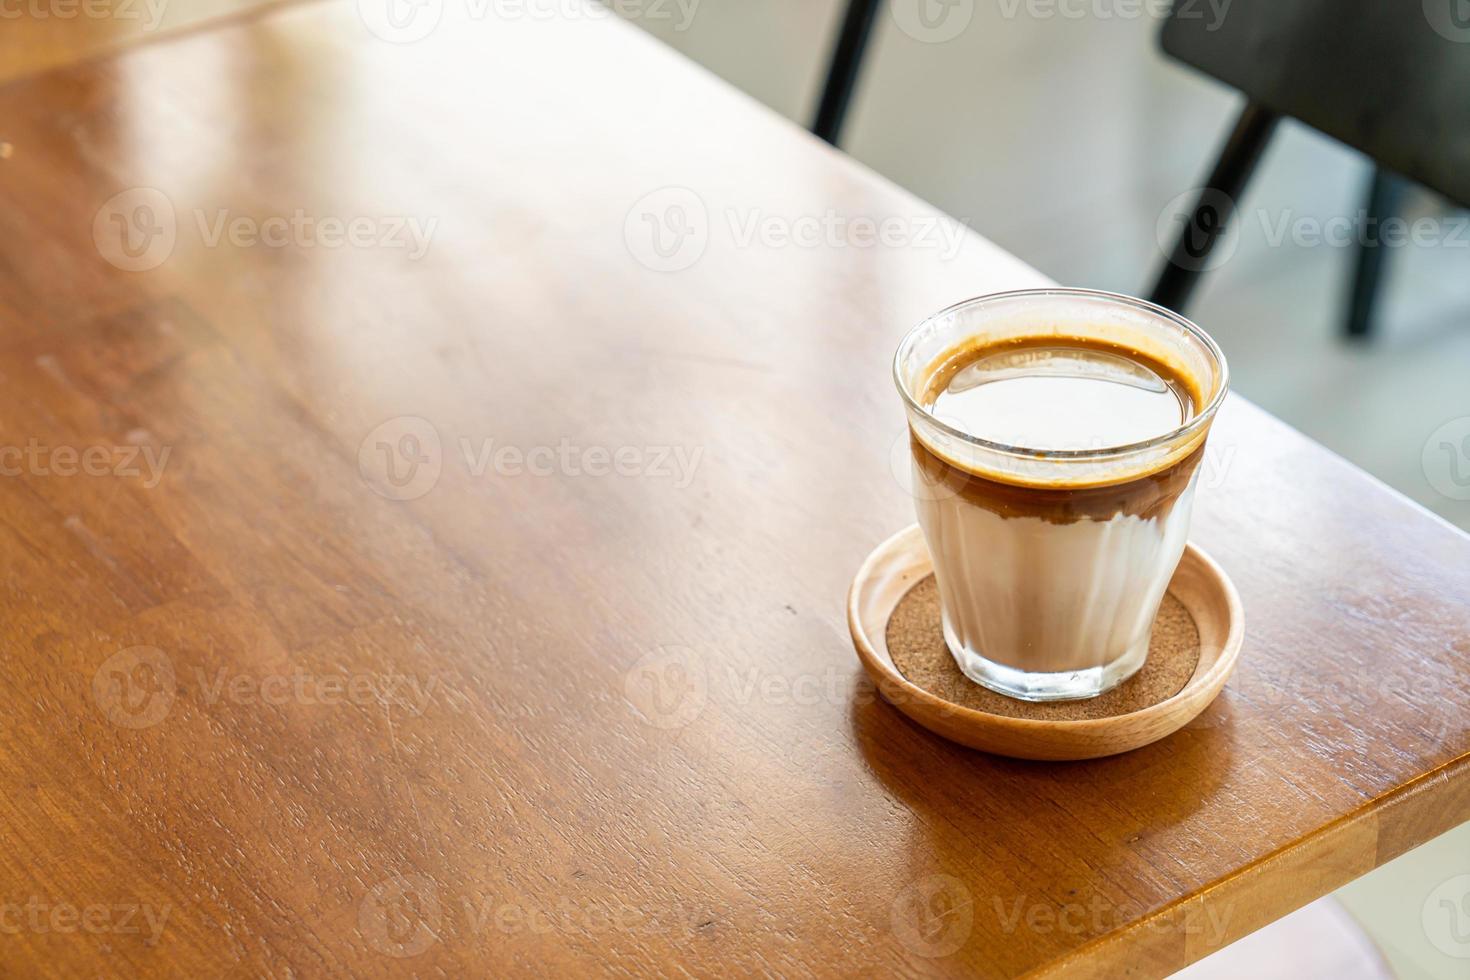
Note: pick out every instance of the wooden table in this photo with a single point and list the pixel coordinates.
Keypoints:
(43, 34)
(296, 685)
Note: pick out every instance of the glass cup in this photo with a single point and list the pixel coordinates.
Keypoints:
(1052, 564)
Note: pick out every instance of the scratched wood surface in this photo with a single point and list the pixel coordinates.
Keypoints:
(414, 565)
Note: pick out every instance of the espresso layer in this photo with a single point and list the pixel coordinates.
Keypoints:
(1151, 496)
(1069, 393)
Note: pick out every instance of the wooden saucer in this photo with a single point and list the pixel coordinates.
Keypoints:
(893, 613)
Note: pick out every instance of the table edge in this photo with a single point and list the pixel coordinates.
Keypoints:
(1273, 886)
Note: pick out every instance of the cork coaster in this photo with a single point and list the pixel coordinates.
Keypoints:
(916, 644)
(893, 615)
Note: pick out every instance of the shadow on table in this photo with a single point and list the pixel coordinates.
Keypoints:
(1124, 812)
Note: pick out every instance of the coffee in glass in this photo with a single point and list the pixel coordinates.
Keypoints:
(1056, 438)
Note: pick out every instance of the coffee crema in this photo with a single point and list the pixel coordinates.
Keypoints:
(1057, 394)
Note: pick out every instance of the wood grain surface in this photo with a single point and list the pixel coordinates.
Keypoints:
(470, 602)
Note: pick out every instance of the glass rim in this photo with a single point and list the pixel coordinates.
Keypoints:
(1189, 428)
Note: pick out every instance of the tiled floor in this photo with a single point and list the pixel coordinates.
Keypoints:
(1064, 138)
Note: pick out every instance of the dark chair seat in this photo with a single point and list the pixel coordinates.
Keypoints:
(1390, 78)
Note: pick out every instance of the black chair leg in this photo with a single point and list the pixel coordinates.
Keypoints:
(1385, 193)
(1214, 207)
(842, 73)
